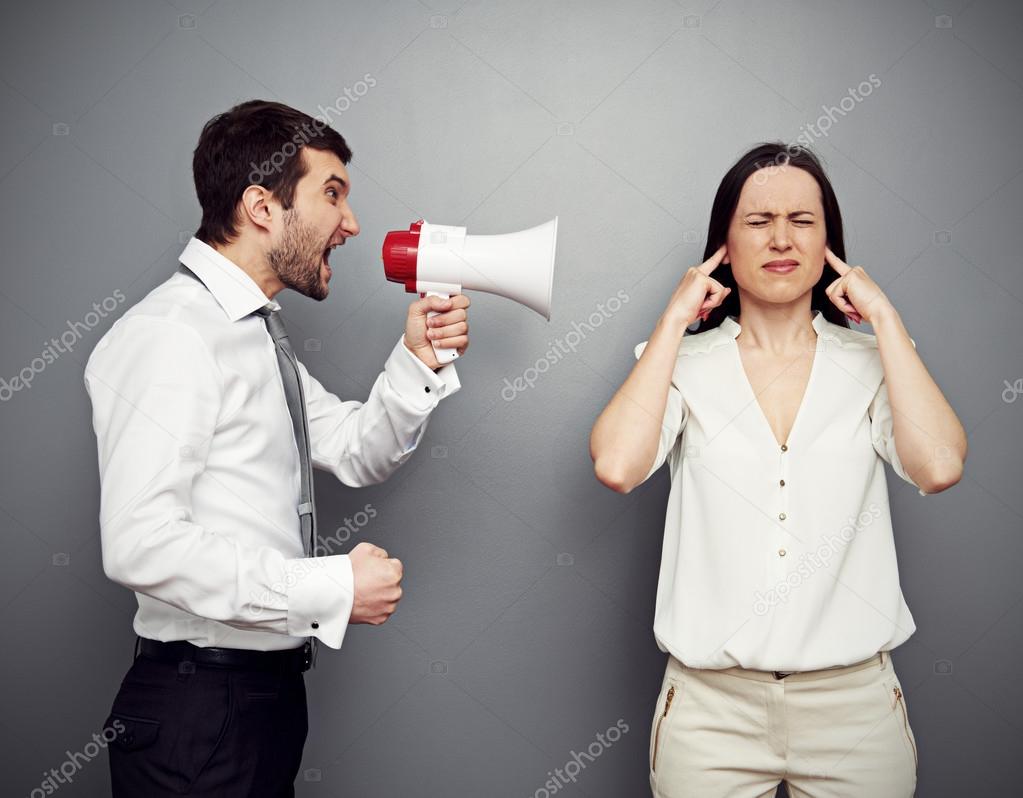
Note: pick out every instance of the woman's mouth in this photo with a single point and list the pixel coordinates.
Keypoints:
(781, 266)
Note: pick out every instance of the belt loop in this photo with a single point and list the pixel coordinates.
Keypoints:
(138, 642)
(882, 660)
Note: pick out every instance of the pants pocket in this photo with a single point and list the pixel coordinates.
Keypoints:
(133, 734)
(667, 708)
(168, 729)
(897, 704)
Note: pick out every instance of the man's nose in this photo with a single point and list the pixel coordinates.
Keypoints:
(350, 224)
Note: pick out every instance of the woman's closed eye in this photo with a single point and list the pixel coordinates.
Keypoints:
(800, 222)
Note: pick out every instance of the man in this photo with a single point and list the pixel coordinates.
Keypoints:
(207, 428)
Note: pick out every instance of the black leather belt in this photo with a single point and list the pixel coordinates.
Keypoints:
(291, 660)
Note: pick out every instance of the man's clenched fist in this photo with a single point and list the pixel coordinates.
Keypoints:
(377, 584)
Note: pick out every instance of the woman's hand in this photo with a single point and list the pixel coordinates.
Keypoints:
(697, 294)
(854, 293)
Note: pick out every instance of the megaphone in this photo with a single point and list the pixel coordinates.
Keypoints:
(441, 260)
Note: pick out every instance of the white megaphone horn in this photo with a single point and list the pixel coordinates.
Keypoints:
(440, 260)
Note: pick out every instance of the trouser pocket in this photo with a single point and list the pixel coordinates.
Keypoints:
(897, 703)
(667, 707)
(169, 724)
(132, 733)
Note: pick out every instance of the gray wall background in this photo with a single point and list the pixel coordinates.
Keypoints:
(526, 625)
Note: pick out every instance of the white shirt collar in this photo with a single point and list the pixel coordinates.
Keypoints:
(820, 324)
(236, 292)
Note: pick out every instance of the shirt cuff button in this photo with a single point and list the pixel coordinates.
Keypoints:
(427, 388)
(315, 625)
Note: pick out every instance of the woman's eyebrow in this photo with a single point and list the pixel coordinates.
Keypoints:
(771, 215)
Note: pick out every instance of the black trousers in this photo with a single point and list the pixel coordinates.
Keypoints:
(206, 731)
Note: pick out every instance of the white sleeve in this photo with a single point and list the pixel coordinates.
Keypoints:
(676, 413)
(156, 395)
(882, 434)
(363, 443)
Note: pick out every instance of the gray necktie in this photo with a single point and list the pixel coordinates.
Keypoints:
(295, 396)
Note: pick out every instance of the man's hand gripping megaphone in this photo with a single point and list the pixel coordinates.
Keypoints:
(437, 321)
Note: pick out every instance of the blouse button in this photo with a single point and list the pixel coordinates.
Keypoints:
(781, 516)
(781, 552)
(784, 447)
(781, 482)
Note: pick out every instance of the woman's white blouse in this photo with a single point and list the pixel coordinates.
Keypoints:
(778, 557)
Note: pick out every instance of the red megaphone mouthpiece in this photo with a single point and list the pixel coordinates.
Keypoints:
(400, 253)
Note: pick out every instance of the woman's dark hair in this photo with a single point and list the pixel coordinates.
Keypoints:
(771, 154)
(257, 142)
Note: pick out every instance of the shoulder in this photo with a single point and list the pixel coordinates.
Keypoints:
(178, 314)
(695, 343)
(180, 298)
(847, 338)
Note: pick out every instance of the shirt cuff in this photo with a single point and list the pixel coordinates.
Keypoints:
(321, 592)
(418, 383)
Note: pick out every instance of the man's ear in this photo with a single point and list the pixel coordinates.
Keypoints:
(255, 204)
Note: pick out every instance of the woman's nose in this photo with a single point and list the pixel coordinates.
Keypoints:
(780, 237)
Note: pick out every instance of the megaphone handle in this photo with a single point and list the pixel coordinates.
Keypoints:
(444, 354)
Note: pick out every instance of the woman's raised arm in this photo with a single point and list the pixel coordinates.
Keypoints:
(624, 440)
(929, 437)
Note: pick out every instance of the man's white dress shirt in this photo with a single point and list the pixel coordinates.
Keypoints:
(199, 469)
(778, 557)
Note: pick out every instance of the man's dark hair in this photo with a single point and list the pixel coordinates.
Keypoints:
(256, 142)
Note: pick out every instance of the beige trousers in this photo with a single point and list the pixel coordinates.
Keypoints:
(736, 733)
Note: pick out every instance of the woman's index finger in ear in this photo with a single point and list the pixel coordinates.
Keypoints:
(713, 261)
(836, 262)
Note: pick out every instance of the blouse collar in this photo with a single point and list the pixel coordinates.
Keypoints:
(820, 324)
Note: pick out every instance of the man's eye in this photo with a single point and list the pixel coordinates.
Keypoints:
(757, 224)
(332, 191)
(804, 221)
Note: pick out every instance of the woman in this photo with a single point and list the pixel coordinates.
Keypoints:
(778, 598)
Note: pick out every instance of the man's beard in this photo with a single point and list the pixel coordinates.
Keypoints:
(296, 260)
